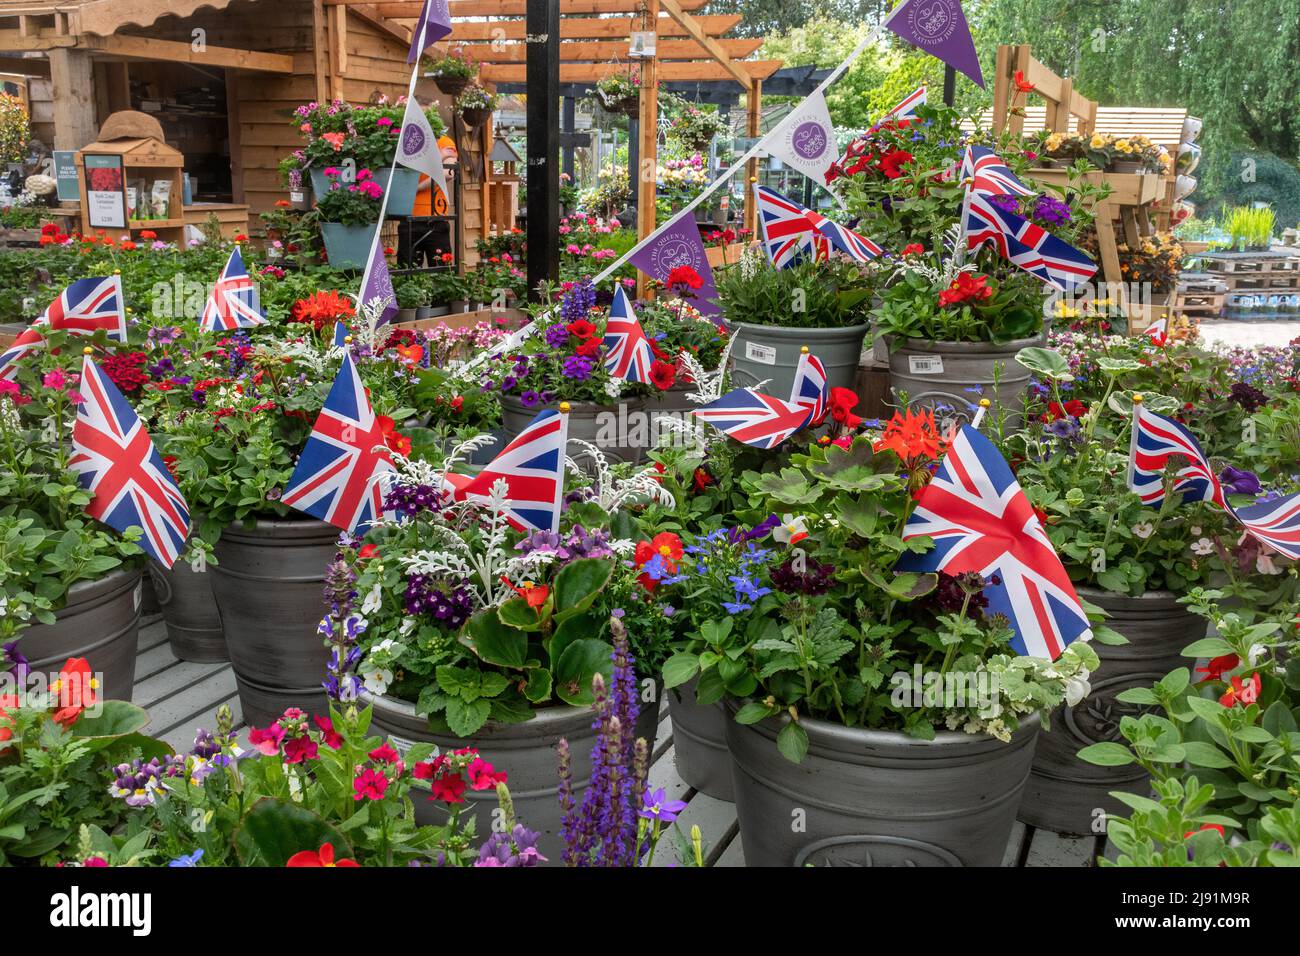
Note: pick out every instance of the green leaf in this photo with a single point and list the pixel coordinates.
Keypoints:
(516, 613)
(1107, 754)
(578, 583)
(752, 713)
(680, 668)
(539, 685)
(792, 741)
(274, 830)
(574, 670)
(1202, 754)
(790, 486)
(117, 719)
(1047, 363)
(1207, 647)
(466, 717)
(1210, 710)
(494, 642)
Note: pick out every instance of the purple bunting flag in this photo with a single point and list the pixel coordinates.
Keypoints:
(376, 283)
(433, 25)
(680, 245)
(939, 28)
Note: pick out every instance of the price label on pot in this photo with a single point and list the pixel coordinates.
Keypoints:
(297, 196)
(137, 595)
(760, 353)
(401, 743)
(925, 364)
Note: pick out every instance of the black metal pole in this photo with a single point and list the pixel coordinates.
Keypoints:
(633, 162)
(543, 75)
(949, 85)
(569, 113)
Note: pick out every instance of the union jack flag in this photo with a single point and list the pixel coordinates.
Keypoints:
(810, 390)
(532, 466)
(233, 303)
(753, 418)
(907, 108)
(845, 240)
(84, 306)
(628, 353)
(1029, 246)
(1158, 331)
(1155, 440)
(792, 231)
(1276, 523)
(116, 461)
(345, 467)
(981, 522)
(989, 175)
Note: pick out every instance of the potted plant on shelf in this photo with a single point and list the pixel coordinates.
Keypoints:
(452, 71)
(620, 91)
(822, 655)
(69, 586)
(348, 214)
(773, 313)
(480, 635)
(475, 105)
(1250, 229)
(412, 293)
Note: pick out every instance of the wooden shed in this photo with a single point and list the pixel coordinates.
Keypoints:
(222, 76)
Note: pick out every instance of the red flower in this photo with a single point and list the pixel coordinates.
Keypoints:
(300, 749)
(663, 375)
(368, 551)
(702, 479)
(7, 701)
(322, 857)
(843, 401)
(333, 739)
(965, 287)
(384, 754)
(590, 348)
(266, 740)
(482, 776)
(125, 370)
(76, 689)
(1217, 667)
(369, 785)
(891, 163)
(1204, 827)
(394, 439)
(581, 328)
(457, 403)
(665, 545)
(534, 595)
(1242, 692)
(450, 788)
(1073, 408)
(913, 249)
(684, 276)
(1023, 85)
(911, 436)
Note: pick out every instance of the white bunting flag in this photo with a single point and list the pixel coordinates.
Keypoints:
(417, 147)
(805, 139)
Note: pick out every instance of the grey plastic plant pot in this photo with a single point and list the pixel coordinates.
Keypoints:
(772, 352)
(700, 743)
(951, 377)
(1069, 795)
(100, 622)
(190, 612)
(268, 587)
(875, 798)
(526, 752)
(621, 430)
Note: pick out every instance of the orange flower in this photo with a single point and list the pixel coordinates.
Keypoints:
(282, 204)
(410, 354)
(148, 234)
(322, 857)
(1023, 85)
(534, 595)
(911, 437)
(665, 545)
(76, 689)
(334, 139)
(6, 722)
(322, 309)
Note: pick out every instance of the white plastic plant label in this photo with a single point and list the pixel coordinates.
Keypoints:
(760, 353)
(925, 364)
(137, 596)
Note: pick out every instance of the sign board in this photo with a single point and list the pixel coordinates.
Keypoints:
(105, 192)
(65, 174)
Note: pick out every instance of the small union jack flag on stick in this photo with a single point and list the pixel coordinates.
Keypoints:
(233, 303)
(982, 523)
(753, 418)
(346, 467)
(83, 307)
(116, 461)
(628, 355)
(532, 467)
(810, 389)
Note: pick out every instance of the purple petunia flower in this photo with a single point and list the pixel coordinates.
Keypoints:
(1238, 481)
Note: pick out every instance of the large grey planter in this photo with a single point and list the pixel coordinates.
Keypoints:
(525, 751)
(943, 376)
(871, 798)
(190, 612)
(772, 352)
(700, 743)
(268, 587)
(620, 430)
(1066, 794)
(99, 621)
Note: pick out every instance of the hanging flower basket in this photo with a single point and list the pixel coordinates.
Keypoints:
(475, 117)
(452, 86)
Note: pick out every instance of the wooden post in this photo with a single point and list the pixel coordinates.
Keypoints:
(568, 114)
(73, 87)
(754, 111)
(338, 23)
(648, 133)
(485, 195)
(542, 27)
(320, 51)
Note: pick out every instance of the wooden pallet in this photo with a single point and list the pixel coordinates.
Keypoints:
(1194, 305)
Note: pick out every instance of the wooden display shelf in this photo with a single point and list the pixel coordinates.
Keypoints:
(154, 224)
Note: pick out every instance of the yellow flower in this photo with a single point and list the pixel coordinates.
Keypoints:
(1098, 141)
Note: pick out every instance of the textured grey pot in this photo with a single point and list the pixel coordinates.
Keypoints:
(99, 621)
(268, 590)
(621, 430)
(772, 352)
(190, 612)
(700, 743)
(1065, 793)
(526, 752)
(871, 798)
(938, 375)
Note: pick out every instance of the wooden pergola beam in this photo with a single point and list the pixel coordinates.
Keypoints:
(12, 41)
(410, 9)
(580, 28)
(602, 51)
(697, 33)
(148, 48)
(25, 65)
(670, 72)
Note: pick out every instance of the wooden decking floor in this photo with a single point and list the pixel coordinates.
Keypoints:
(182, 697)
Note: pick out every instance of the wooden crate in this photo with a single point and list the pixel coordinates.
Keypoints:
(1196, 305)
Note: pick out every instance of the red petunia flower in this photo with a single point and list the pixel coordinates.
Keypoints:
(892, 163)
(663, 375)
(843, 401)
(581, 328)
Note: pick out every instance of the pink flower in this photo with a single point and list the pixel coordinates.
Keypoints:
(384, 754)
(482, 775)
(369, 785)
(333, 739)
(76, 397)
(300, 749)
(55, 379)
(383, 121)
(267, 741)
